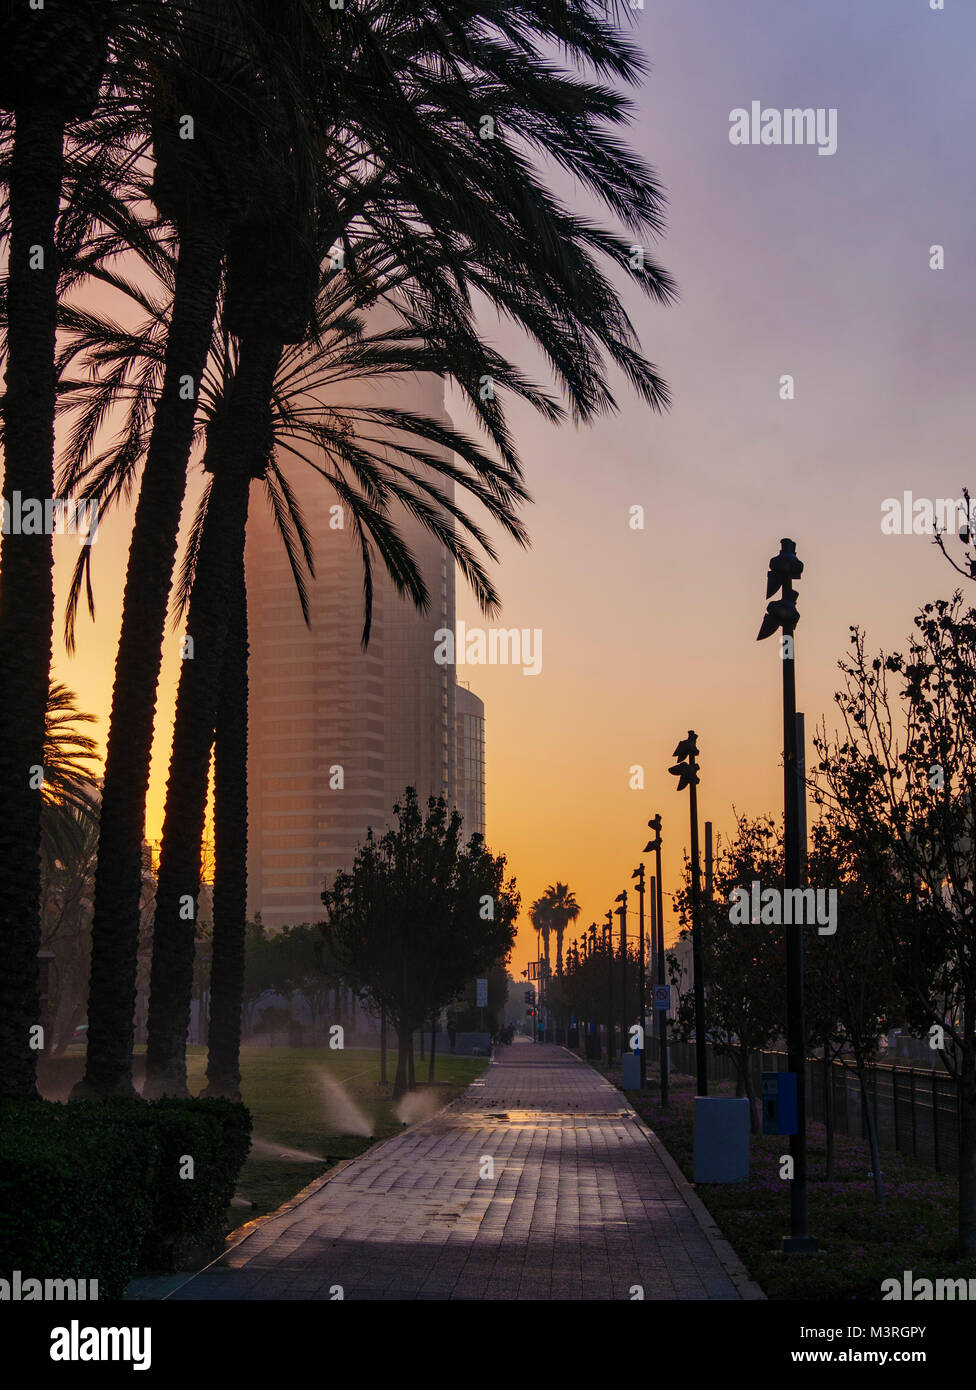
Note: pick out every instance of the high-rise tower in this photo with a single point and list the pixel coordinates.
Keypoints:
(336, 733)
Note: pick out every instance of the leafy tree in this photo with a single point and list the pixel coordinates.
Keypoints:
(418, 916)
(744, 964)
(851, 991)
(900, 783)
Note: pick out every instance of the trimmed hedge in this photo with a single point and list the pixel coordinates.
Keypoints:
(188, 1213)
(75, 1200)
(92, 1189)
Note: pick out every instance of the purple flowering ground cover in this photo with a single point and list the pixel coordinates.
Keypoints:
(860, 1245)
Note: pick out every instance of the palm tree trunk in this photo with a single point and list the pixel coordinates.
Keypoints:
(27, 591)
(383, 1049)
(118, 879)
(236, 452)
(230, 877)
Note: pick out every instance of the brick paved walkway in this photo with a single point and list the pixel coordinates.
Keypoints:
(540, 1182)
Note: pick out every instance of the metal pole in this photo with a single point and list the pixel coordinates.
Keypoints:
(609, 940)
(799, 1238)
(701, 1054)
(661, 975)
(642, 982)
(708, 860)
(624, 1003)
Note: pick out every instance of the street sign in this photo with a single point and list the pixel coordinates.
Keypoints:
(662, 996)
(482, 999)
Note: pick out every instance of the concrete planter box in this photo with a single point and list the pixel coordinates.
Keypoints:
(721, 1139)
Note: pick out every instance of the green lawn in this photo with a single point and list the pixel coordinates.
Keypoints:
(285, 1090)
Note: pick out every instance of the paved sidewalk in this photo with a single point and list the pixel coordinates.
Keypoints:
(540, 1182)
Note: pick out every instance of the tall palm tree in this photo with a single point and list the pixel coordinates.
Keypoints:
(533, 258)
(51, 65)
(230, 847)
(201, 186)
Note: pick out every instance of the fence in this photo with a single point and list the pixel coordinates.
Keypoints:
(916, 1110)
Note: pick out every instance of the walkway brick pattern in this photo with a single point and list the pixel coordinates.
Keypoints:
(538, 1183)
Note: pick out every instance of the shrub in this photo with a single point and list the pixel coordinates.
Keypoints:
(92, 1189)
(188, 1213)
(75, 1201)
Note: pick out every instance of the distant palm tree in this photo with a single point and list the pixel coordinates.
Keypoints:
(69, 795)
(557, 907)
(540, 916)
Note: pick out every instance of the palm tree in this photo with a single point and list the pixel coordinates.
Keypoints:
(51, 66)
(540, 916)
(230, 845)
(201, 186)
(69, 804)
(531, 257)
(69, 838)
(563, 909)
(552, 912)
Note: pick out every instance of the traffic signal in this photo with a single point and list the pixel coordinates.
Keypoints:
(530, 996)
(686, 771)
(782, 612)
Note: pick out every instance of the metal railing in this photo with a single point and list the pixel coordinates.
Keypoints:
(916, 1110)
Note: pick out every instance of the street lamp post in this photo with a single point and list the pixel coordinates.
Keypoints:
(655, 845)
(782, 613)
(641, 977)
(624, 1005)
(608, 937)
(686, 771)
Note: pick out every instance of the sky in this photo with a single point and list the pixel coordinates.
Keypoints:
(788, 262)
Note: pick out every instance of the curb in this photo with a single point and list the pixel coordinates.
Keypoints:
(746, 1287)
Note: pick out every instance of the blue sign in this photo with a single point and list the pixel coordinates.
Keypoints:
(780, 1110)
